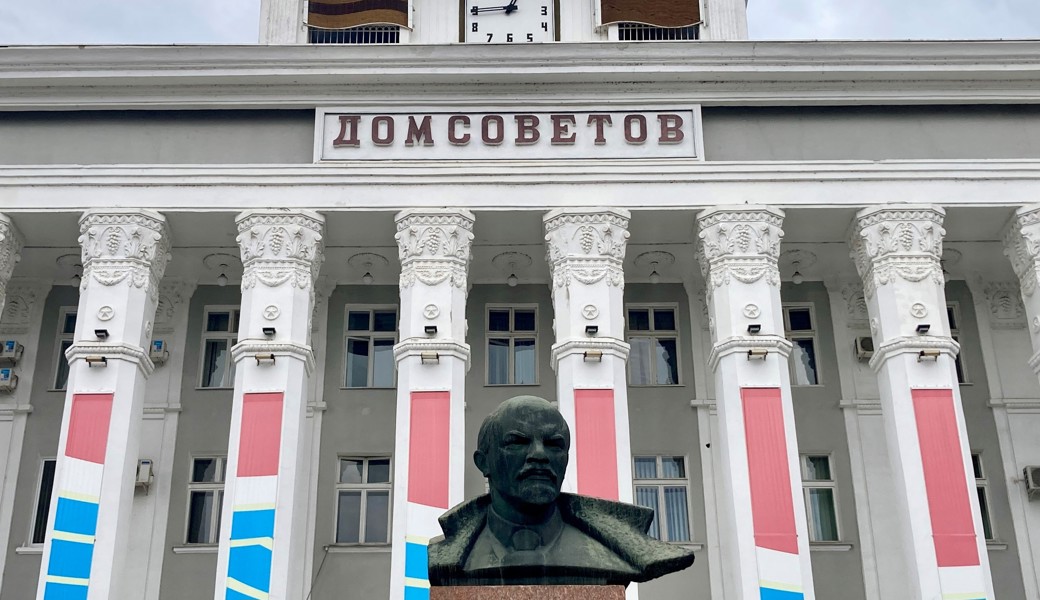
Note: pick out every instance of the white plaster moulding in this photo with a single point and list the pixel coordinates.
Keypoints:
(742, 344)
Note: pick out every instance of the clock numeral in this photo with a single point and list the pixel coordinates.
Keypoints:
(545, 26)
(509, 37)
(530, 37)
(474, 27)
(545, 11)
(490, 35)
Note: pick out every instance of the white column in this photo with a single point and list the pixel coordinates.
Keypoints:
(897, 251)
(281, 22)
(264, 515)
(432, 361)
(124, 255)
(724, 20)
(762, 518)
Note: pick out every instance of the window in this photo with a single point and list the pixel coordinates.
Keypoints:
(661, 484)
(66, 333)
(371, 335)
(953, 313)
(205, 497)
(639, 32)
(42, 508)
(980, 487)
(363, 507)
(371, 34)
(800, 325)
(219, 334)
(512, 342)
(821, 505)
(652, 334)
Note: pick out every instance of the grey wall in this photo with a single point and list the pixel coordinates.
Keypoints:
(42, 428)
(821, 430)
(203, 427)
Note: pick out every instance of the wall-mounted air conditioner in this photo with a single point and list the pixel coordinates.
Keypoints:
(8, 380)
(864, 347)
(144, 474)
(158, 352)
(10, 352)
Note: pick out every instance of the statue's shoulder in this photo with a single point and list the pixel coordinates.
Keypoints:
(461, 526)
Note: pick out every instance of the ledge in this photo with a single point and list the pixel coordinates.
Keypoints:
(829, 547)
(358, 548)
(195, 549)
(29, 550)
(996, 545)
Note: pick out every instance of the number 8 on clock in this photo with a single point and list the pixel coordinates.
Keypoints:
(508, 21)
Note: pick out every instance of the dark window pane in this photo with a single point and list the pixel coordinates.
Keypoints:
(70, 323)
(524, 363)
(961, 377)
(384, 320)
(204, 470)
(200, 517)
(379, 470)
(43, 502)
(61, 377)
(987, 527)
(803, 358)
(383, 367)
(523, 320)
(377, 517)
(667, 362)
(498, 320)
(646, 467)
(218, 321)
(348, 523)
(236, 320)
(952, 316)
(823, 526)
(357, 321)
(800, 318)
(498, 361)
(357, 362)
(639, 320)
(673, 467)
(976, 465)
(647, 496)
(676, 514)
(350, 470)
(664, 319)
(817, 468)
(214, 363)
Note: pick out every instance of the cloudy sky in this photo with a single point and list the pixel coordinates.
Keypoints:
(235, 21)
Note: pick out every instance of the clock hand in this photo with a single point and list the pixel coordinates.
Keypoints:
(475, 10)
(511, 7)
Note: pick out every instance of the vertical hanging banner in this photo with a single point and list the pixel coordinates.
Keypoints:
(252, 519)
(772, 506)
(78, 498)
(595, 438)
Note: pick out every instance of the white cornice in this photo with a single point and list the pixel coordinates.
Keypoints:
(65, 77)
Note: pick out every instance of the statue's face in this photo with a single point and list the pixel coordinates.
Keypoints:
(528, 458)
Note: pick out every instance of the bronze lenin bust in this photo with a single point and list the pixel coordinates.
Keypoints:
(526, 532)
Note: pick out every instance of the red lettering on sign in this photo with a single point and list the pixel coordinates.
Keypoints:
(378, 138)
(640, 122)
(419, 133)
(562, 133)
(671, 129)
(500, 130)
(600, 121)
(453, 122)
(348, 126)
(527, 130)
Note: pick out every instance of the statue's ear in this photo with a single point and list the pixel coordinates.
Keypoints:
(480, 459)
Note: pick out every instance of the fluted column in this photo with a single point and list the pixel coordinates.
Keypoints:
(762, 517)
(897, 251)
(429, 450)
(265, 509)
(124, 255)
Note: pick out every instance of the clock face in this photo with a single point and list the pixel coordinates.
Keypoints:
(509, 21)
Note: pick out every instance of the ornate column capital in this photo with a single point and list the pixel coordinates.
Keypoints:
(124, 246)
(741, 243)
(10, 252)
(1022, 246)
(279, 246)
(173, 293)
(586, 245)
(903, 242)
(434, 246)
(24, 298)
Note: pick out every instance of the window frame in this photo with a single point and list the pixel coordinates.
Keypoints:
(982, 489)
(811, 334)
(363, 507)
(36, 500)
(231, 336)
(614, 31)
(811, 484)
(660, 483)
(512, 335)
(651, 333)
(59, 355)
(954, 309)
(206, 486)
(372, 336)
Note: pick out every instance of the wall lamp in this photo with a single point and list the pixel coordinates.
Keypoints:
(96, 361)
(264, 357)
(429, 358)
(269, 331)
(591, 330)
(430, 329)
(757, 353)
(102, 334)
(928, 355)
(923, 328)
(754, 328)
(593, 356)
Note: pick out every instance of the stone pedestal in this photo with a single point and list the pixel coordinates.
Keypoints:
(528, 592)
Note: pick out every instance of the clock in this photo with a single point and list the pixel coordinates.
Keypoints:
(509, 21)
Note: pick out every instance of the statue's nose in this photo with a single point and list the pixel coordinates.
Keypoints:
(537, 451)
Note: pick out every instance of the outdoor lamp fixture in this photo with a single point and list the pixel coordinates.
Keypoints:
(593, 356)
(923, 328)
(367, 277)
(591, 330)
(222, 278)
(754, 328)
(511, 281)
(96, 361)
(269, 331)
(757, 354)
(429, 358)
(655, 277)
(102, 334)
(262, 357)
(930, 354)
(797, 278)
(430, 329)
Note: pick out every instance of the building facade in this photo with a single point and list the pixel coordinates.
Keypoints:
(257, 300)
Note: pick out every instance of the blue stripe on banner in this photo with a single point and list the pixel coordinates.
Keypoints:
(76, 516)
(416, 593)
(248, 524)
(252, 566)
(771, 594)
(70, 559)
(64, 591)
(233, 595)
(416, 561)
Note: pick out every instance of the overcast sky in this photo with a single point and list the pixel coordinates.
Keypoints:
(235, 21)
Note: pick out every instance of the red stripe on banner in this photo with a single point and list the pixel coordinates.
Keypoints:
(260, 438)
(88, 427)
(428, 443)
(945, 480)
(596, 441)
(772, 507)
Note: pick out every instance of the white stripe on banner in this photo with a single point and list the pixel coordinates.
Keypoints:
(779, 570)
(422, 520)
(256, 493)
(962, 583)
(82, 479)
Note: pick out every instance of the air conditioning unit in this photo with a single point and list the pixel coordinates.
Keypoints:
(10, 352)
(144, 474)
(158, 352)
(8, 380)
(864, 347)
(1032, 477)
